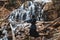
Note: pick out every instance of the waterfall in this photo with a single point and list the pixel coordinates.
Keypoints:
(4, 31)
(24, 13)
(18, 16)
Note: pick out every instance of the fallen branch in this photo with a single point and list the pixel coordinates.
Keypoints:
(48, 25)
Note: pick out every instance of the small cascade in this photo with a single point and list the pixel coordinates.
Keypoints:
(25, 12)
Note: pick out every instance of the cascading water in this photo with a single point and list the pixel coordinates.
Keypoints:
(25, 12)
(4, 34)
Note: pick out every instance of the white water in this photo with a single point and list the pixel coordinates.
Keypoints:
(20, 12)
(25, 13)
(4, 32)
